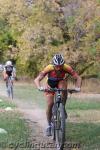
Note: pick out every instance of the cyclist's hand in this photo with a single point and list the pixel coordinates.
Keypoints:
(41, 88)
(77, 89)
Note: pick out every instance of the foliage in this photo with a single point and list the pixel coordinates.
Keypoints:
(37, 30)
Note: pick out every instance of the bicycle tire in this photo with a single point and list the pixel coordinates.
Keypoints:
(11, 92)
(53, 122)
(10, 89)
(60, 127)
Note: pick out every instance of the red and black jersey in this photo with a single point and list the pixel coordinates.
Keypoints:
(57, 75)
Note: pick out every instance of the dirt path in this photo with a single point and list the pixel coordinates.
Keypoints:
(37, 121)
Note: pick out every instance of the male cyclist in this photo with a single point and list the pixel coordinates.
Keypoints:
(9, 70)
(56, 73)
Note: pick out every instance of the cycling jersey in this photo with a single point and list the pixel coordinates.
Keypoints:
(57, 75)
(10, 70)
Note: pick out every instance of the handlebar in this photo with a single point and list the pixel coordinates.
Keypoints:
(59, 89)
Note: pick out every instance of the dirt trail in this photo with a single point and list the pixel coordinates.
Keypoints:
(37, 121)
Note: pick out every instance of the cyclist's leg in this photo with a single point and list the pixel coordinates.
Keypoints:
(6, 84)
(12, 79)
(50, 99)
(5, 77)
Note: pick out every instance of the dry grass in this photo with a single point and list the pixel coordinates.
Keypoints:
(88, 85)
(91, 85)
(89, 116)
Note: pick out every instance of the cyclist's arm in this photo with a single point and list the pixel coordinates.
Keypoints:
(75, 76)
(39, 78)
(42, 74)
(78, 81)
(4, 74)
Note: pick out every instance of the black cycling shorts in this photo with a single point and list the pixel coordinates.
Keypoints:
(53, 84)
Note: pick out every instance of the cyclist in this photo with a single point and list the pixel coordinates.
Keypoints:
(56, 72)
(9, 70)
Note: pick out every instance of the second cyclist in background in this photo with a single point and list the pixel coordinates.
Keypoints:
(9, 71)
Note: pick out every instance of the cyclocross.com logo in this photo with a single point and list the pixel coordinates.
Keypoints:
(36, 145)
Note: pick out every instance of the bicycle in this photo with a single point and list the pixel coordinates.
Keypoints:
(9, 86)
(58, 117)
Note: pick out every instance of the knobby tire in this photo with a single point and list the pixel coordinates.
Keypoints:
(59, 126)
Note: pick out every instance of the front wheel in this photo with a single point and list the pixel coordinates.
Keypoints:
(10, 90)
(60, 127)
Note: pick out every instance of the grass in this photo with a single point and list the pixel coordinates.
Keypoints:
(86, 134)
(74, 104)
(5, 103)
(14, 123)
(17, 129)
(30, 94)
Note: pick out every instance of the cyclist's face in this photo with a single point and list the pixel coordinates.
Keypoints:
(58, 67)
